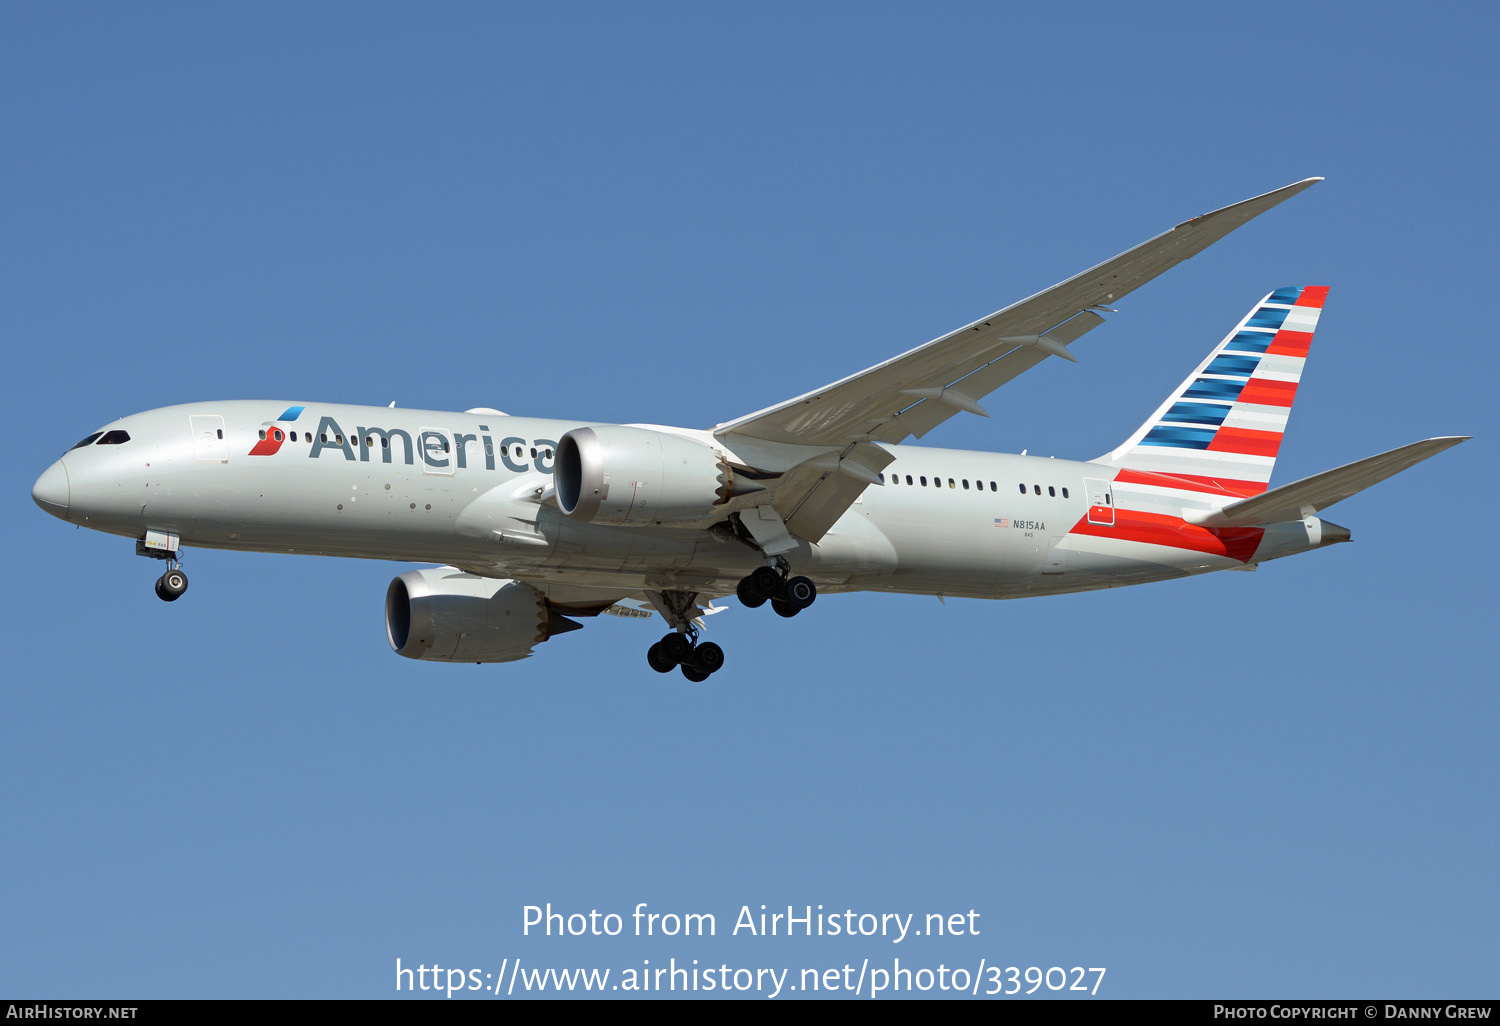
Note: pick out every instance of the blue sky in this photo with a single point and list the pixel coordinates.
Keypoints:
(1252, 785)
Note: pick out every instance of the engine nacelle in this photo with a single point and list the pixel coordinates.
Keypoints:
(609, 474)
(456, 617)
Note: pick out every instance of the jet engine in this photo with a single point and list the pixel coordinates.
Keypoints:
(609, 474)
(456, 617)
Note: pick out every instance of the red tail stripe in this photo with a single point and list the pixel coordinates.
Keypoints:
(1246, 442)
(1163, 529)
(1290, 343)
(1313, 295)
(1266, 392)
(1193, 483)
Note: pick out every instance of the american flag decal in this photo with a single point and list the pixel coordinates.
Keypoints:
(1002, 521)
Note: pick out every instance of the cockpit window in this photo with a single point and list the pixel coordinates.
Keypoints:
(90, 440)
(115, 438)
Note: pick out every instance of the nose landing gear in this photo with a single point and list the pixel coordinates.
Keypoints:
(162, 545)
(788, 596)
(171, 585)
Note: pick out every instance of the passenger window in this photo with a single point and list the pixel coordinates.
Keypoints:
(1052, 491)
(992, 487)
(294, 436)
(924, 482)
(908, 479)
(951, 484)
(1065, 493)
(338, 439)
(533, 452)
(90, 440)
(115, 438)
(276, 434)
(221, 432)
(262, 434)
(324, 437)
(1106, 499)
(1023, 489)
(1038, 489)
(385, 441)
(966, 484)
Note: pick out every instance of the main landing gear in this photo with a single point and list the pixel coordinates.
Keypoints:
(678, 649)
(788, 596)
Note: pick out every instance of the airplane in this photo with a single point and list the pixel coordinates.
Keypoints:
(536, 524)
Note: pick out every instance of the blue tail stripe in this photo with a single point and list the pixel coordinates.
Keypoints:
(1228, 363)
(1180, 437)
(1267, 317)
(1197, 413)
(1250, 341)
(1212, 388)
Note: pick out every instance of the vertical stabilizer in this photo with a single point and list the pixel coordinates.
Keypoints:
(1221, 429)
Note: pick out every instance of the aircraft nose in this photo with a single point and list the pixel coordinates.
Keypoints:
(51, 490)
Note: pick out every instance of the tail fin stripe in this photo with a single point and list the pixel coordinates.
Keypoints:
(1281, 368)
(1250, 341)
(1246, 442)
(1265, 392)
(1198, 413)
(1267, 317)
(1179, 437)
(1258, 418)
(1290, 343)
(1228, 363)
(1214, 388)
(1228, 417)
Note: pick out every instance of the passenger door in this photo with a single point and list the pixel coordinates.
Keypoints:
(209, 444)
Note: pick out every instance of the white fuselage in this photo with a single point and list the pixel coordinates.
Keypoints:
(472, 490)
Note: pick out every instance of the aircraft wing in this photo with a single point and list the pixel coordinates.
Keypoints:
(909, 395)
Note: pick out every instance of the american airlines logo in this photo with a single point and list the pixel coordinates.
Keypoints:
(437, 448)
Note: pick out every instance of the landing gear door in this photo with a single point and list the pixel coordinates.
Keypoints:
(1101, 502)
(209, 444)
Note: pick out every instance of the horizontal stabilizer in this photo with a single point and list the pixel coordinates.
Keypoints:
(1302, 499)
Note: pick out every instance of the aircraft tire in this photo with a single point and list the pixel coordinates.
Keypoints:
(171, 585)
(784, 608)
(748, 596)
(800, 592)
(659, 662)
(708, 657)
(677, 648)
(694, 674)
(764, 582)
